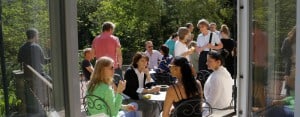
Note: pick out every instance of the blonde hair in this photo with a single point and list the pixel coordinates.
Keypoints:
(225, 29)
(86, 50)
(97, 75)
(182, 31)
(292, 35)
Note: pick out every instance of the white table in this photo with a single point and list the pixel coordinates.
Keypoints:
(158, 97)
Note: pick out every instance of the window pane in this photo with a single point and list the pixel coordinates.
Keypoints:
(273, 57)
(27, 43)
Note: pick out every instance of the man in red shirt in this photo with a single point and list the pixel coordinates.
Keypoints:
(106, 44)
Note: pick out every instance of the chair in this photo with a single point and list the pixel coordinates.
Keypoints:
(163, 79)
(95, 102)
(191, 108)
(202, 76)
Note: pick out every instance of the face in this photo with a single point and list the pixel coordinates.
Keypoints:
(213, 27)
(149, 47)
(212, 64)
(142, 63)
(174, 70)
(89, 55)
(202, 28)
(191, 28)
(109, 71)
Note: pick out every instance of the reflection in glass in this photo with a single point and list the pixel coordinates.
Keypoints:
(273, 58)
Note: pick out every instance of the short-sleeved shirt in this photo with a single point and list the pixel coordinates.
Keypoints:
(85, 63)
(106, 45)
(203, 40)
(181, 48)
(154, 58)
(171, 45)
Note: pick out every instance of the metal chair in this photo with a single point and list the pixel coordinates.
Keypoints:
(191, 108)
(95, 102)
(163, 79)
(202, 76)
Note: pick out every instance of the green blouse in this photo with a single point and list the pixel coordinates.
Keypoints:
(114, 100)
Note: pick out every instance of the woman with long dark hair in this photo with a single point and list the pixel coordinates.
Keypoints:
(186, 88)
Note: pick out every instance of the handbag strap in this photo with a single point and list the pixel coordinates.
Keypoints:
(210, 37)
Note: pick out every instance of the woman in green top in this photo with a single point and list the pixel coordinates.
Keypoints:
(101, 85)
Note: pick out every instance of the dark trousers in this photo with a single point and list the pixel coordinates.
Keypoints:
(202, 61)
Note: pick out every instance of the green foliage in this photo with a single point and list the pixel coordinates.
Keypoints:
(17, 17)
(138, 21)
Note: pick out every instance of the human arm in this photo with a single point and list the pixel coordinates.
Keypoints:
(286, 53)
(114, 101)
(119, 57)
(168, 102)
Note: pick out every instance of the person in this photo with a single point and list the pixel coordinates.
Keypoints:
(171, 43)
(101, 85)
(181, 48)
(260, 67)
(86, 65)
(213, 28)
(219, 83)
(194, 57)
(185, 89)
(190, 26)
(229, 45)
(109, 45)
(288, 49)
(139, 82)
(204, 44)
(153, 55)
(163, 66)
(31, 54)
(285, 107)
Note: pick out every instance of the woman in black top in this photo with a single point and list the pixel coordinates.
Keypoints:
(228, 45)
(185, 89)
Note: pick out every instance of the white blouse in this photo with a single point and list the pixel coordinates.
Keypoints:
(218, 88)
(181, 48)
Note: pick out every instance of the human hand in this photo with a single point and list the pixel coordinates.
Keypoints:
(277, 102)
(129, 107)
(285, 77)
(155, 89)
(121, 86)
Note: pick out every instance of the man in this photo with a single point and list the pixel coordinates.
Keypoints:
(86, 66)
(154, 55)
(108, 45)
(190, 26)
(213, 28)
(204, 46)
(31, 55)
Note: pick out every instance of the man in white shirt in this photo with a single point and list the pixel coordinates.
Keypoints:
(204, 44)
(154, 55)
(213, 28)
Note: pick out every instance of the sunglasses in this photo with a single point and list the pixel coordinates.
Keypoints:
(111, 68)
(170, 66)
(150, 46)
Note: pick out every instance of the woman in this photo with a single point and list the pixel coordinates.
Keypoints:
(186, 88)
(181, 48)
(288, 49)
(218, 87)
(138, 78)
(100, 85)
(165, 61)
(228, 45)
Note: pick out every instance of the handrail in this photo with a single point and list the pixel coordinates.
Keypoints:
(49, 84)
